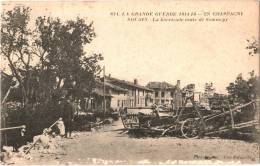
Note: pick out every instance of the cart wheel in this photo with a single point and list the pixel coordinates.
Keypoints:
(130, 121)
(123, 118)
(124, 122)
(190, 128)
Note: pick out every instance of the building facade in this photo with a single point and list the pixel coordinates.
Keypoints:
(106, 94)
(166, 94)
(137, 96)
(116, 93)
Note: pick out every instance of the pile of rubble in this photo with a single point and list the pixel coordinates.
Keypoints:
(42, 144)
(48, 142)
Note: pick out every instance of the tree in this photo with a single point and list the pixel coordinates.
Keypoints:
(60, 50)
(56, 49)
(15, 46)
(47, 60)
(243, 90)
(252, 47)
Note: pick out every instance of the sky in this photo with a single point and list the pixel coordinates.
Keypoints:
(193, 52)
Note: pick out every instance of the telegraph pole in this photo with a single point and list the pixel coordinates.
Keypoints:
(104, 89)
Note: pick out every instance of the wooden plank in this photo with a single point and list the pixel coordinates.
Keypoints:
(219, 131)
(228, 112)
(246, 123)
(238, 126)
(11, 128)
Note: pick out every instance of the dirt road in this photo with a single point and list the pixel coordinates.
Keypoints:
(108, 146)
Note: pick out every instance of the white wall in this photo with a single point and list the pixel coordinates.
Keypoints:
(115, 98)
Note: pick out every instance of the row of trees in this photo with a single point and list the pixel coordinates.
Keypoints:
(243, 90)
(47, 58)
(240, 91)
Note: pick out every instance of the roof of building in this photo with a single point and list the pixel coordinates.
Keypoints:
(128, 83)
(160, 85)
(112, 86)
(100, 93)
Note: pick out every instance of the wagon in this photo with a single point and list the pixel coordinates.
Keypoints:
(190, 122)
(155, 119)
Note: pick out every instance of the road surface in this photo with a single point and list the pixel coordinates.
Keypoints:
(110, 146)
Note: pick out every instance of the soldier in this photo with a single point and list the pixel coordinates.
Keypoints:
(67, 115)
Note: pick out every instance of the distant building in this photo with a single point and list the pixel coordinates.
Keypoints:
(112, 95)
(166, 94)
(137, 96)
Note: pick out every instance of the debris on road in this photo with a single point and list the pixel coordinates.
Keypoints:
(191, 122)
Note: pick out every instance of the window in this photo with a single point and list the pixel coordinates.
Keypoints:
(118, 103)
(92, 103)
(156, 101)
(156, 94)
(172, 94)
(162, 94)
(162, 101)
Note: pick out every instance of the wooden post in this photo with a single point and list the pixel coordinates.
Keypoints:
(232, 117)
(104, 89)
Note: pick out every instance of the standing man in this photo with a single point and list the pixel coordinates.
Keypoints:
(67, 115)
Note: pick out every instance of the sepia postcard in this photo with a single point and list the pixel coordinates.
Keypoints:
(130, 82)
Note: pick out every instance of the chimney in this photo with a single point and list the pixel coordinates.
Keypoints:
(179, 83)
(135, 81)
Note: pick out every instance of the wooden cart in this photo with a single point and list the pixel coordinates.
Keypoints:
(189, 122)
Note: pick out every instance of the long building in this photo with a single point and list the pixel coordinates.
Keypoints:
(121, 93)
(137, 96)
